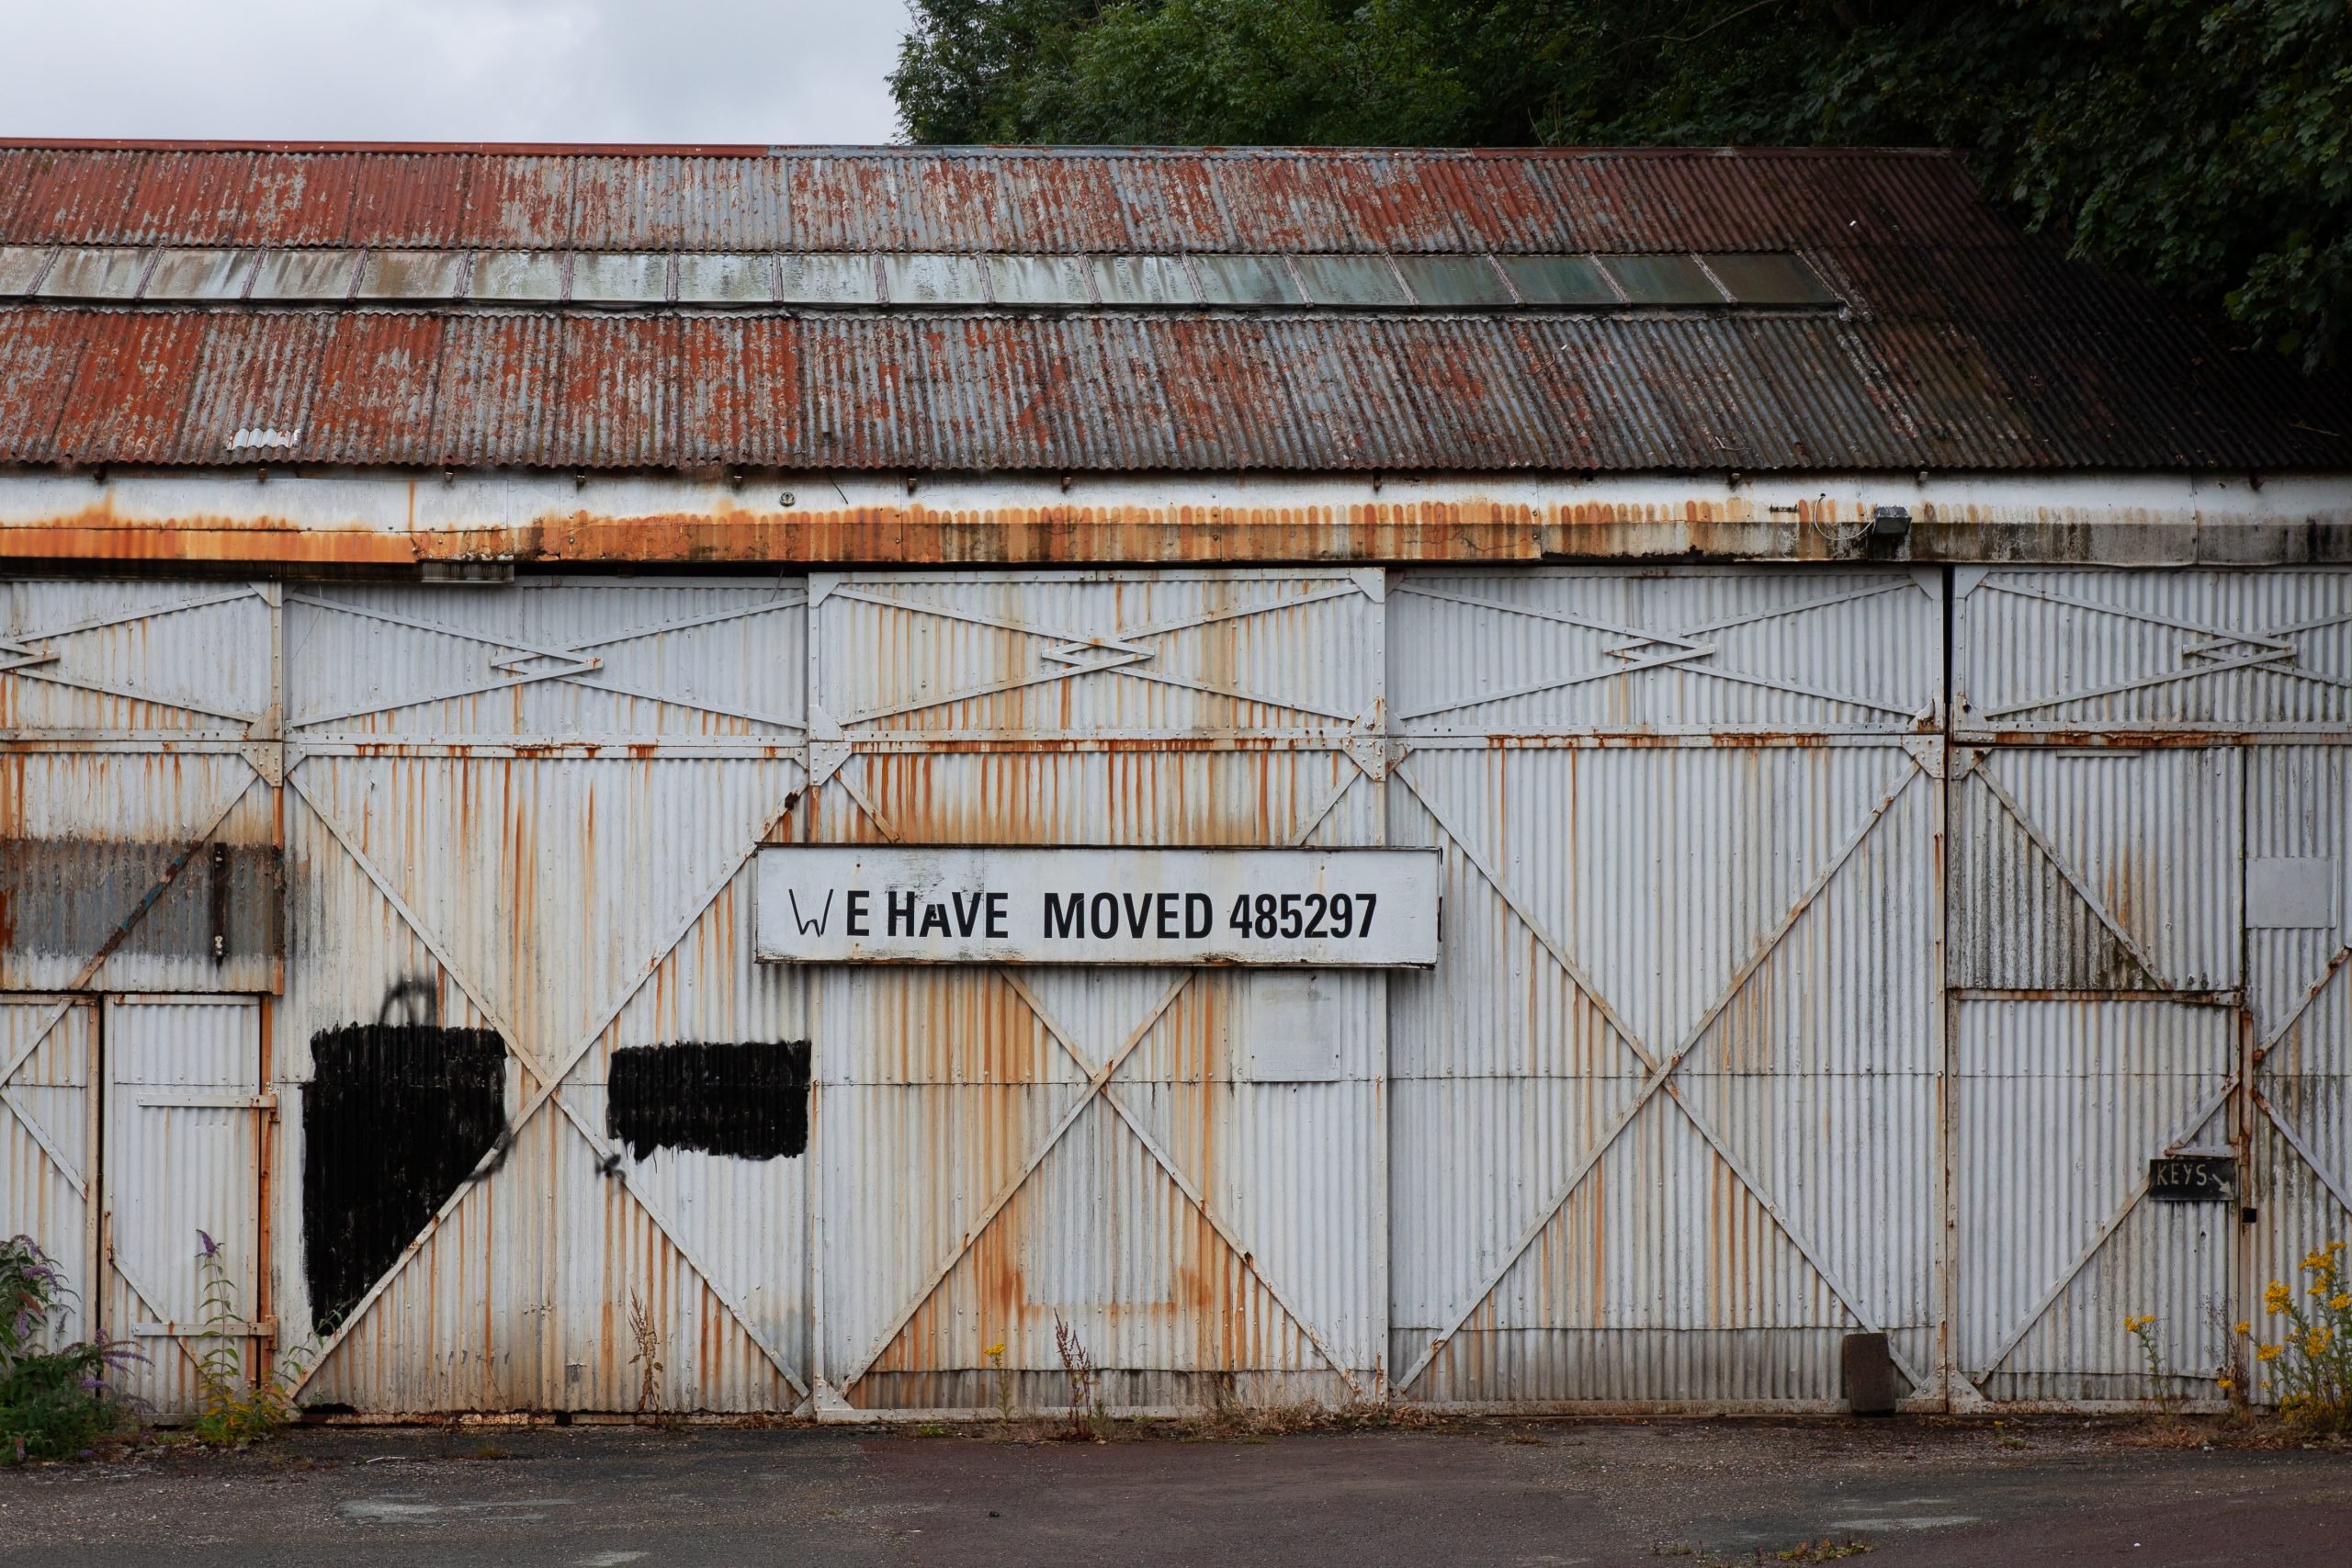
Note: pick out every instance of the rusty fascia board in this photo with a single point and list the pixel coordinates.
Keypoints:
(400, 522)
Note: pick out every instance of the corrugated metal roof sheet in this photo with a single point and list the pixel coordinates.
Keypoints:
(1103, 201)
(1107, 392)
(1962, 344)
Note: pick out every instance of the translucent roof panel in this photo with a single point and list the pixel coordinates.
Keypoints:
(1246, 280)
(1039, 280)
(95, 272)
(200, 274)
(1441, 282)
(725, 280)
(1142, 280)
(1361, 281)
(1662, 280)
(305, 274)
(1558, 281)
(519, 275)
(413, 274)
(20, 265)
(1770, 280)
(826, 279)
(934, 280)
(620, 278)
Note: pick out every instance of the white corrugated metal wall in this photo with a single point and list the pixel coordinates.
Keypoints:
(2150, 769)
(1665, 1110)
(1672, 1115)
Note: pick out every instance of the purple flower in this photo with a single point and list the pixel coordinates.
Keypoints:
(207, 1247)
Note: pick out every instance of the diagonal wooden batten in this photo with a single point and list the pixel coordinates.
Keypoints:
(476, 995)
(607, 1159)
(1124, 654)
(1688, 648)
(1097, 1087)
(2294, 1141)
(2204, 1113)
(1660, 1072)
(2074, 880)
(547, 1087)
(1087, 1094)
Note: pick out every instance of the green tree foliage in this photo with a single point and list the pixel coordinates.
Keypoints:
(2203, 145)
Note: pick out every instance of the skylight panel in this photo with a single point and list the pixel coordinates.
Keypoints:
(518, 276)
(20, 265)
(619, 278)
(724, 280)
(1662, 280)
(1453, 282)
(1360, 281)
(1142, 280)
(200, 274)
(94, 272)
(412, 275)
(1038, 280)
(826, 278)
(1246, 280)
(934, 280)
(1770, 279)
(305, 274)
(1558, 281)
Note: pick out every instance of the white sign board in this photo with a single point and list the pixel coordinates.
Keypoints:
(1336, 909)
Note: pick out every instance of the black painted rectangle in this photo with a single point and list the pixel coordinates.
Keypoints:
(395, 1118)
(2193, 1179)
(748, 1099)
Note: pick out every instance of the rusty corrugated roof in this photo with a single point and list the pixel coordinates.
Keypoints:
(1960, 343)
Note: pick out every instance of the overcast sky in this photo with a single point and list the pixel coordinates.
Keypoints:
(732, 71)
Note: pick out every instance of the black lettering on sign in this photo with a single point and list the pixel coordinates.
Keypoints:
(750, 1100)
(2193, 1179)
(395, 1118)
(854, 917)
(902, 913)
(1065, 916)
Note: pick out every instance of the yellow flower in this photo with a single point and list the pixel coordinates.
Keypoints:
(994, 1351)
(2338, 1303)
(2134, 1324)
(2316, 1258)
(2242, 1326)
(2277, 1299)
(2268, 1352)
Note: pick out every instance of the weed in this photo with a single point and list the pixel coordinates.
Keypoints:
(999, 1382)
(1085, 1380)
(232, 1412)
(485, 1448)
(1822, 1551)
(2310, 1363)
(648, 1360)
(2144, 1329)
(54, 1401)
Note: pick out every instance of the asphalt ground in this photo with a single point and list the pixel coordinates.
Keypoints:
(1917, 1492)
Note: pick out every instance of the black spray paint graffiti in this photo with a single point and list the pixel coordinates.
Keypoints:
(750, 1100)
(415, 1000)
(395, 1119)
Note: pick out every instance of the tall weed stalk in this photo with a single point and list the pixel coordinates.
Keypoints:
(230, 1410)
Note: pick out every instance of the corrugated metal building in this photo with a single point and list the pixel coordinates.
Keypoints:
(1880, 695)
